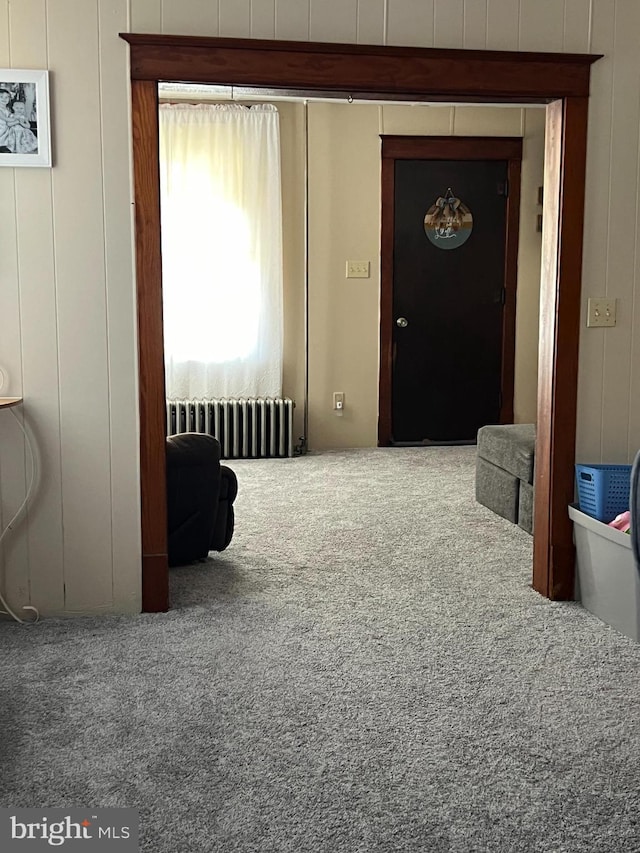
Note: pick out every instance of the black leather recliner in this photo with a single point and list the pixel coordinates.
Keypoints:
(200, 496)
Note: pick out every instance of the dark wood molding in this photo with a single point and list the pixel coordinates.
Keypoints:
(565, 168)
(510, 286)
(387, 216)
(155, 583)
(546, 347)
(461, 75)
(446, 148)
(452, 147)
(419, 74)
(153, 486)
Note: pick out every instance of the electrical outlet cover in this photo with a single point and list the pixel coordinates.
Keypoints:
(601, 312)
(357, 269)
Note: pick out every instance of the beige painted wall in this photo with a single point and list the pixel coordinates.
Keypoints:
(66, 262)
(344, 204)
(344, 224)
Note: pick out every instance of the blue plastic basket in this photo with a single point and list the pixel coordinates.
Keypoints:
(603, 490)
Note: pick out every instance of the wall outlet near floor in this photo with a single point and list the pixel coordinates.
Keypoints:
(601, 311)
(358, 269)
(338, 401)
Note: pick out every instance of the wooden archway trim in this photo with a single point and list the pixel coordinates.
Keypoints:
(458, 74)
(151, 392)
(427, 74)
(561, 278)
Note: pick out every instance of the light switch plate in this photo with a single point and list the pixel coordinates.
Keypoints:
(601, 311)
(357, 269)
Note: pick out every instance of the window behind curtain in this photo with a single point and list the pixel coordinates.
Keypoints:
(221, 216)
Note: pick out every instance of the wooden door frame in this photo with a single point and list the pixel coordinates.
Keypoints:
(466, 76)
(446, 148)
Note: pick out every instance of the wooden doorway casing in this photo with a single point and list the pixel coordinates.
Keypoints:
(446, 148)
(559, 80)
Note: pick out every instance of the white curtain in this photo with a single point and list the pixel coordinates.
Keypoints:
(221, 215)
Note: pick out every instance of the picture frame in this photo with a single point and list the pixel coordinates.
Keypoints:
(25, 123)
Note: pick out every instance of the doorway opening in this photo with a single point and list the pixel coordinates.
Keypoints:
(561, 81)
(331, 202)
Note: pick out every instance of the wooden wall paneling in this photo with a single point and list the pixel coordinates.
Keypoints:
(474, 35)
(146, 16)
(81, 299)
(541, 25)
(263, 19)
(14, 561)
(622, 242)
(122, 361)
(577, 19)
(41, 410)
(4, 196)
(14, 556)
(28, 36)
(41, 406)
(448, 20)
(503, 20)
(190, 17)
(603, 16)
(410, 22)
(153, 495)
(5, 51)
(589, 435)
(333, 20)
(235, 18)
(553, 570)
(371, 22)
(292, 20)
(26, 45)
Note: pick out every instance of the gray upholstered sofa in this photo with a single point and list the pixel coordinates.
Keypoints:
(504, 471)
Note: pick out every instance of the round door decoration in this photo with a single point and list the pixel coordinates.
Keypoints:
(448, 222)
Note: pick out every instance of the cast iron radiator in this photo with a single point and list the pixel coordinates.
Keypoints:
(245, 428)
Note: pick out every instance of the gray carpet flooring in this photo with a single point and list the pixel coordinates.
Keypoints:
(365, 669)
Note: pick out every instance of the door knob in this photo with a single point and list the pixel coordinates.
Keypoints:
(402, 322)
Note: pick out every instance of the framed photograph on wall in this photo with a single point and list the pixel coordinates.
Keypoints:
(25, 127)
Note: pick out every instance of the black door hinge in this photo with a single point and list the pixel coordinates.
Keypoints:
(503, 188)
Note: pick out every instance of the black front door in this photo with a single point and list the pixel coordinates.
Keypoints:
(448, 302)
